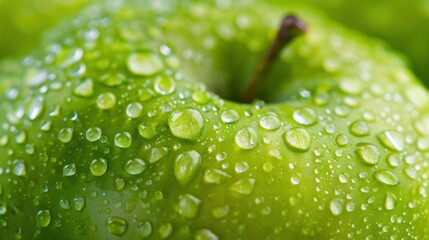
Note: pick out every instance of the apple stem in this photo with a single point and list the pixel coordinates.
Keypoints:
(290, 28)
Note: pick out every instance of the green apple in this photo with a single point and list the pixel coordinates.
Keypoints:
(128, 122)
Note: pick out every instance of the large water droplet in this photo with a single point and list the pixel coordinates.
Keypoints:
(270, 122)
(297, 139)
(186, 166)
(43, 218)
(147, 130)
(98, 167)
(35, 108)
(144, 63)
(144, 229)
(135, 166)
(336, 206)
(165, 230)
(243, 186)
(85, 88)
(386, 177)
(368, 153)
(188, 205)
(123, 140)
(35, 76)
(230, 116)
(164, 85)
(186, 124)
(93, 134)
(359, 128)
(116, 225)
(19, 168)
(69, 170)
(392, 140)
(390, 201)
(106, 101)
(134, 110)
(246, 138)
(65, 135)
(305, 116)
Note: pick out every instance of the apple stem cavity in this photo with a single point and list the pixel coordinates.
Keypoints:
(290, 28)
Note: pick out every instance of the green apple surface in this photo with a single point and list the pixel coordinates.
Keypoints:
(126, 123)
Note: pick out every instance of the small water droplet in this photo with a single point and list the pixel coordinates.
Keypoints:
(241, 167)
(123, 140)
(246, 138)
(186, 166)
(65, 135)
(135, 166)
(157, 154)
(295, 179)
(359, 128)
(305, 116)
(243, 186)
(98, 167)
(205, 234)
(79, 203)
(144, 63)
(394, 159)
(386, 177)
(188, 205)
(342, 111)
(144, 229)
(93, 134)
(230, 116)
(164, 85)
(200, 97)
(392, 140)
(186, 124)
(69, 170)
(267, 167)
(342, 140)
(411, 173)
(351, 86)
(297, 139)
(220, 212)
(35, 77)
(35, 108)
(214, 176)
(336, 206)
(390, 201)
(19, 168)
(65, 204)
(270, 122)
(106, 101)
(165, 230)
(43, 218)
(368, 153)
(85, 88)
(147, 130)
(116, 225)
(134, 110)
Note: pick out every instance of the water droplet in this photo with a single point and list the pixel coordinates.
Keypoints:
(295, 179)
(305, 116)
(70, 56)
(144, 63)
(205, 234)
(119, 184)
(186, 124)
(106, 101)
(343, 178)
(123, 140)
(368, 153)
(147, 130)
(336, 206)
(85, 88)
(135, 166)
(351, 86)
(186, 166)
(157, 154)
(200, 97)
(392, 140)
(35, 108)
(230, 116)
(134, 110)
(246, 138)
(243, 186)
(93, 134)
(164, 85)
(116, 225)
(214, 176)
(165, 230)
(342, 140)
(69, 170)
(65, 135)
(411, 173)
(297, 139)
(35, 77)
(394, 159)
(390, 201)
(43, 218)
(386, 176)
(112, 80)
(188, 205)
(98, 167)
(241, 167)
(269, 122)
(19, 168)
(79, 203)
(359, 128)
(267, 167)
(144, 229)
(342, 111)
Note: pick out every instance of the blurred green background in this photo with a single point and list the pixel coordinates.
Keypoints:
(403, 24)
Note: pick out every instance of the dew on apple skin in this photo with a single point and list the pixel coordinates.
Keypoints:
(98, 167)
(68, 57)
(165, 230)
(186, 165)
(144, 229)
(35, 76)
(147, 130)
(106, 101)
(3, 209)
(410, 172)
(65, 204)
(244, 186)
(164, 85)
(35, 108)
(19, 168)
(188, 205)
(386, 177)
(69, 170)
(79, 203)
(116, 225)
(394, 159)
(134, 110)
(4, 140)
(390, 201)
(342, 111)
(123, 140)
(93, 134)
(85, 88)
(359, 128)
(246, 138)
(230, 116)
(241, 167)
(295, 179)
(305, 116)
(119, 184)
(368, 154)
(205, 234)
(392, 140)
(144, 64)
(200, 97)
(186, 124)
(214, 176)
(65, 135)
(21, 137)
(135, 166)
(336, 206)
(220, 212)
(157, 154)
(298, 139)
(269, 122)
(112, 79)
(43, 218)
(342, 140)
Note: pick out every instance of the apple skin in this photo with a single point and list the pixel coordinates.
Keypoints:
(112, 131)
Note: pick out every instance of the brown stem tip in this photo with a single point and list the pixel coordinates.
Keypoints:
(290, 28)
